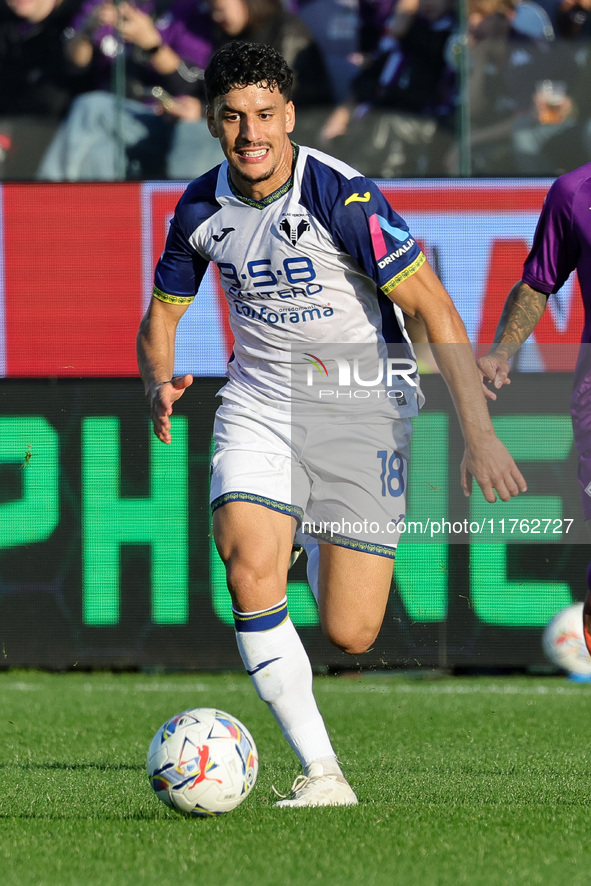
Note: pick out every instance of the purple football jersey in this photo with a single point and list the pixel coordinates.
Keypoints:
(562, 241)
(562, 244)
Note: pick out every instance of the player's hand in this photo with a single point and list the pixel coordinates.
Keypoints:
(493, 368)
(493, 468)
(162, 401)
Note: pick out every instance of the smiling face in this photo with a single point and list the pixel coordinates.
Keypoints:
(253, 125)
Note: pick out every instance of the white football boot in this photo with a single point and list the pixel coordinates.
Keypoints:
(319, 787)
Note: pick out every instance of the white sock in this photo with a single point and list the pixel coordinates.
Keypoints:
(323, 766)
(279, 667)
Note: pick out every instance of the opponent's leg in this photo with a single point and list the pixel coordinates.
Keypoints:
(255, 545)
(587, 602)
(580, 407)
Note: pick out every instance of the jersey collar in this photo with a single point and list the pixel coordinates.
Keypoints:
(270, 198)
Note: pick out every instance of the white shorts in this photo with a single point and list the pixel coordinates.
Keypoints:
(343, 479)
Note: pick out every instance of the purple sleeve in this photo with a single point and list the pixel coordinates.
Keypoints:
(554, 252)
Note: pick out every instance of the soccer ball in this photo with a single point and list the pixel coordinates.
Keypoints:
(564, 644)
(202, 762)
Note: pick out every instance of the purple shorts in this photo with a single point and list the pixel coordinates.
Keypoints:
(580, 407)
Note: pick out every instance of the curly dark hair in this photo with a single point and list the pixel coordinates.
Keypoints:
(238, 63)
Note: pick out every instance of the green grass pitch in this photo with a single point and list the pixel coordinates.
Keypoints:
(478, 781)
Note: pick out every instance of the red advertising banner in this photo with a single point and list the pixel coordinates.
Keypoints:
(76, 266)
(72, 279)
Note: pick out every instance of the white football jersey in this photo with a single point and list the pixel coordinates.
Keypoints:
(312, 263)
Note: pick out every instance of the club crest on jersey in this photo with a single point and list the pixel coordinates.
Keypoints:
(294, 231)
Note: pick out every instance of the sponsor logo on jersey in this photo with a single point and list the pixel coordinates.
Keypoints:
(396, 254)
(272, 294)
(358, 198)
(223, 234)
(281, 318)
(294, 230)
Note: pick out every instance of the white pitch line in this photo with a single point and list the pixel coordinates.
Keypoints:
(332, 685)
(452, 688)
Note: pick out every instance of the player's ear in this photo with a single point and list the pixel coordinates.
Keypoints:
(289, 117)
(211, 124)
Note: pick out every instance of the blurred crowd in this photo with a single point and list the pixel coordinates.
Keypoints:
(103, 90)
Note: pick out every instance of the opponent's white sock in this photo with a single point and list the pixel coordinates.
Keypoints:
(279, 667)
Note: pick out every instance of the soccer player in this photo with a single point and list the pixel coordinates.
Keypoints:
(562, 244)
(309, 254)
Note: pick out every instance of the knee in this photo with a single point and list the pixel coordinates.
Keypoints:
(242, 576)
(354, 639)
(250, 582)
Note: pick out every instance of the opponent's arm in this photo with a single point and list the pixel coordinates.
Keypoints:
(521, 313)
(485, 457)
(155, 356)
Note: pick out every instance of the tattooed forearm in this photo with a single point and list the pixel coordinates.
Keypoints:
(522, 311)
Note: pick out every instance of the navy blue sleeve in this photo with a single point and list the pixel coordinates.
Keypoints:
(181, 268)
(363, 224)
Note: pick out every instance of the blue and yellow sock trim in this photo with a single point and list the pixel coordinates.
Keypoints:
(265, 620)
